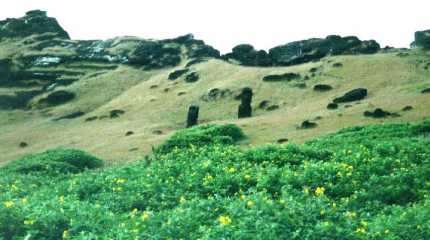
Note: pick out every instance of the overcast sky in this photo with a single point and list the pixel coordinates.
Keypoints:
(226, 23)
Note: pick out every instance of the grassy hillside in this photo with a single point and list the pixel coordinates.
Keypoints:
(155, 106)
(360, 183)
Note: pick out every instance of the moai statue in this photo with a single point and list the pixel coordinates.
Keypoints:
(193, 115)
(245, 109)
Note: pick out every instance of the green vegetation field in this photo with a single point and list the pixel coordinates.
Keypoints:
(368, 182)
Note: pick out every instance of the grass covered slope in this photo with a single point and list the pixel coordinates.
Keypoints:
(155, 106)
(360, 183)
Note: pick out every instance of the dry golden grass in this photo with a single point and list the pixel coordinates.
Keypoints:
(393, 82)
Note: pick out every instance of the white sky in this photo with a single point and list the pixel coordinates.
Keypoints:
(226, 23)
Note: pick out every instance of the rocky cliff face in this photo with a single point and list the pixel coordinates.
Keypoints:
(34, 22)
(302, 51)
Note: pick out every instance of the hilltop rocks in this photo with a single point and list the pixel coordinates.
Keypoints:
(422, 39)
(353, 95)
(178, 73)
(322, 88)
(281, 77)
(246, 55)
(153, 54)
(316, 48)
(116, 113)
(34, 22)
(245, 109)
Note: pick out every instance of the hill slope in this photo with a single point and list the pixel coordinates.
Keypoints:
(151, 104)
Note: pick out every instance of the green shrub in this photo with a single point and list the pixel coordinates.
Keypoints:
(202, 135)
(58, 161)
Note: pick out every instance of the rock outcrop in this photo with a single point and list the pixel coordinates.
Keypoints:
(34, 22)
(353, 95)
(422, 39)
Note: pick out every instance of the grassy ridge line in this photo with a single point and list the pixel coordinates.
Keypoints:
(362, 183)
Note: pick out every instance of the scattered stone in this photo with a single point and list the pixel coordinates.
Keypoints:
(103, 117)
(332, 106)
(281, 77)
(23, 144)
(157, 132)
(116, 113)
(308, 124)
(282, 140)
(153, 86)
(129, 133)
(133, 149)
(306, 77)
(216, 93)
(181, 93)
(377, 113)
(427, 90)
(152, 100)
(177, 74)
(192, 77)
(353, 95)
(313, 70)
(347, 106)
(318, 118)
(166, 89)
(322, 88)
(70, 116)
(90, 119)
(263, 104)
(272, 107)
(193, 116)
(300, 85)
(407, 108)
(245, 109)
(337, 65)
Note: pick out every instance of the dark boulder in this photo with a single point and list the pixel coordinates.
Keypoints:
(178, 73)
(337, 65)
(332, 106)
(377, 113)
(90, 119)
(23, 144)
(427, 90)
(263, 104)
(153, 55)
(129, 133)
(58, 97)
(322, 87)
(70, 116)
(407, 108)
(281, 77)
(272, 107)
(192, 77)
(116, 113)
(308, 124)
(353, 95)
(422, 39)
(282, 140)
(215, 94)
(245, 109)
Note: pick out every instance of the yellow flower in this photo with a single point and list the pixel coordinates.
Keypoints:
(182, 200)
(24, 200)
(247, 176)
(306, 190)
(28, 222)
(387, 231)
(242, 197)
(8, 204)
(250, 203)
(61, 199)
(145, 216)
(65, 234)
(319, 191)
(120, 180)
(360, 230)
(224, 220)
(349, 214)
(231, 170)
